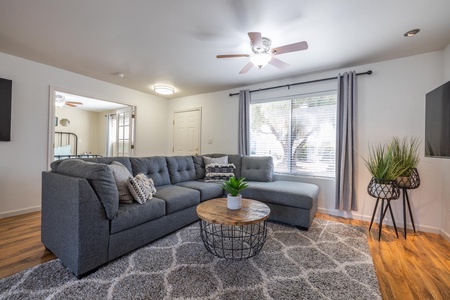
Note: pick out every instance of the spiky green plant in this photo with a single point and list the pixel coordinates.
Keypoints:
(234, 186)
(405, 153)
(381, 163)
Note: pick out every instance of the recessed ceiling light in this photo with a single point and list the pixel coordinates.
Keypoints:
(164, 89)
(412, 33)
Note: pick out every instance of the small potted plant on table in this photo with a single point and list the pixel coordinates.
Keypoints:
(234, 186)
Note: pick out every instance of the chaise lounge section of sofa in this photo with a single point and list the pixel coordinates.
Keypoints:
(85, 226)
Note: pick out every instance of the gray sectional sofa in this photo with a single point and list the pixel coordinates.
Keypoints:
(85, 226)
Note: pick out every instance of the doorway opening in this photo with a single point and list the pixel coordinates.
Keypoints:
(85, 126)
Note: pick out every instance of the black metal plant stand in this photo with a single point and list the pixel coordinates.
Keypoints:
(386, 190)
(408, 183)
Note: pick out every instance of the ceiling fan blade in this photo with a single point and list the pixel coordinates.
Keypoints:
(232, 55)
(278, 63)
(74, 102)
(246, 68)
(70, 104)
(255, 38)
(290, 48)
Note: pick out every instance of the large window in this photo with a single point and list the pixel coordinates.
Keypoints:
(299, 133)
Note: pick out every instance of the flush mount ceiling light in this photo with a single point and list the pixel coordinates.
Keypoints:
(164, 89)
(411, 33)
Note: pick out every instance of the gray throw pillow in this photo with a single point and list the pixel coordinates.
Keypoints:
(218, 160)
(121, 175)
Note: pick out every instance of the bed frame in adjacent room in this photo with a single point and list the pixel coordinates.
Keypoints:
(66, 146)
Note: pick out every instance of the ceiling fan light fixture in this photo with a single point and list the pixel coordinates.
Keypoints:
(164, 89)
(260, 59)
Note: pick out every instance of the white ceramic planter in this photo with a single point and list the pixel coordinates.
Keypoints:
(234, 202)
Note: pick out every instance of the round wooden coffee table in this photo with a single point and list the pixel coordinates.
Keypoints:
(233, 234)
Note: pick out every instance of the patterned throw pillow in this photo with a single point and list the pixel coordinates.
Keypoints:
(141, 187)
(121, 175)
(219, 172)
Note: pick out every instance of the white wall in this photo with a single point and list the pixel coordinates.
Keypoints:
(24, 158)
(391, 102)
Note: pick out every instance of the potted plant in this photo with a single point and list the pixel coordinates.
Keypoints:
(384, 170)
(405, 153)
(234, 186)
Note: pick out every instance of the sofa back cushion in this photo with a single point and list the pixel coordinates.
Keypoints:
(181, 168)
(257, 168)
(103, 160)
(154, 167)
(101, 179)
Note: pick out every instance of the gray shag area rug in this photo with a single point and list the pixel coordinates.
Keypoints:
(329, 261)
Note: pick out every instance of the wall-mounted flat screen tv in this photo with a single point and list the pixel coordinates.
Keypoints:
(5, 109)
(437, 122)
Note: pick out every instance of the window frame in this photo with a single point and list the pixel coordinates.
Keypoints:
(291, 98)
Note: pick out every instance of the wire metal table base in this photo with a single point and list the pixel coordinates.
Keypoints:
(233, 242)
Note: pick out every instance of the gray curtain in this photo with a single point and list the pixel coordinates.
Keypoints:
(244, 122)
(345, 141)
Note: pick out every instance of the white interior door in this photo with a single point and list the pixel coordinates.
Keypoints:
(186, 132)
(124, 132)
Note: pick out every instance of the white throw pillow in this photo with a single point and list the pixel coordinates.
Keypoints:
(218, 160)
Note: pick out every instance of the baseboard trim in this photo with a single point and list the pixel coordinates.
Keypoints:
(445, 235)
(356, 216)
(13, 213)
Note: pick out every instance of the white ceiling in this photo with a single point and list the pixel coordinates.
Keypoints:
(176, 42)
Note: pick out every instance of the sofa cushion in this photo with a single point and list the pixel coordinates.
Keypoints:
(181, 168)
(121, 175)
(177, 197)
(208, 190)
(101, 179)
(236, 160)
(154, 167)
(130, 215)
(257, 168)
(199, 165)
(287, 193)
(103, 160)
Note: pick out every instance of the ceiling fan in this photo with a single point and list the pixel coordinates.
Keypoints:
(60, 102)
(263, 54)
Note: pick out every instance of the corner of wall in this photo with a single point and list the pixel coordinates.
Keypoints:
(446, 55)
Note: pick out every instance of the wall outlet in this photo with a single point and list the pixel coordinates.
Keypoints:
(210, 141)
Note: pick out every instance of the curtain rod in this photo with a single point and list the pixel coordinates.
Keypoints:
(298, 83)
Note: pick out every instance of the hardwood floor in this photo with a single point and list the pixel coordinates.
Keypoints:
(20, 244)
(415, 268)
